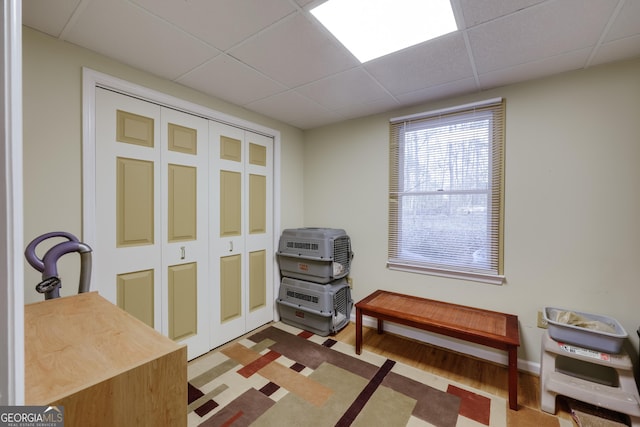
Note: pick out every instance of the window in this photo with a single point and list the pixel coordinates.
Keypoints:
(445, 194)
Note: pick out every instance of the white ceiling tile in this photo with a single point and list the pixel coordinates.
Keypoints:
(445, 90)
(628, 47)
(627, 23)
(221, 23)
(48, 16)
(231, 80)
(476, 12)
(294, 52)
(431, 63)
(535, 69)
(345, 90)
(294, 108)
(141, 40)
(539, 32)
(376, 106)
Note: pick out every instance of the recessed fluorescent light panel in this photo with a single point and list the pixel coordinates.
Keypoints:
(374, 28)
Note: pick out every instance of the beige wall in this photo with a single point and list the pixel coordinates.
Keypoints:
(53, 143)
(572, 215)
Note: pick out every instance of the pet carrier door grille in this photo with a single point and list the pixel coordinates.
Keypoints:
(342, 252)
(340, 300)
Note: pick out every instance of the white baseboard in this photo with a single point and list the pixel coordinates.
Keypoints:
(453, 344)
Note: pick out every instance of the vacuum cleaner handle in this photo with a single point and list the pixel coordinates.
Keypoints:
(30, 251)
(51, 283)
(53, 254)
(51, 269)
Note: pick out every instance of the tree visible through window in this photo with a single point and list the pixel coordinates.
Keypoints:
(445, 192)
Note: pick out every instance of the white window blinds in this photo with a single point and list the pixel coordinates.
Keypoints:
(445, 196)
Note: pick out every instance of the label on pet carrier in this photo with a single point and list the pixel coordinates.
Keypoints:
(303, 267)
(585, 352)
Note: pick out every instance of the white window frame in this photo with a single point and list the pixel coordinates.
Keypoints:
(400, 257)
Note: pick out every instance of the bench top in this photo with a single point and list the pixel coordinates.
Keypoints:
(478, 325)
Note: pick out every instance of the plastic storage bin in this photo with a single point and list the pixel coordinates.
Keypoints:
(584, 337)
(318, 255)
(319, 308)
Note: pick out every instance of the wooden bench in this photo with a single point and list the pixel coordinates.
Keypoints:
(490, 328)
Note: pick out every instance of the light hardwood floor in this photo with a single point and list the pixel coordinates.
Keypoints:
(477, 373)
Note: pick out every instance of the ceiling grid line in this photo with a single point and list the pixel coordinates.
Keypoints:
(604, 33)
(465, 34)
(75, 15)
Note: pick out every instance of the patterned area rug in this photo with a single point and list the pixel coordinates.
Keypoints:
(283, 376)
(586, 415)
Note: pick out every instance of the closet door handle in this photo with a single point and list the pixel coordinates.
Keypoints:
(182, 252)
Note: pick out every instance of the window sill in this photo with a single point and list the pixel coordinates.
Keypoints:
(452, 274)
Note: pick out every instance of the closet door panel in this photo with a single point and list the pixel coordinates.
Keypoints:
(257, 280)
(257, 204)
(230, 203)
(135, 129)
(134, 202)
(182, 139)
(259, 238)
(135, 295)
(182, 203)
(128, 260)
(230, 288)
(183, 297)
(185, 244)
(228, 259)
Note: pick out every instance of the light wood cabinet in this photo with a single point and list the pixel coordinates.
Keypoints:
(104, 366)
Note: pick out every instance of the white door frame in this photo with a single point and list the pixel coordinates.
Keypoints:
(92, 79)
(11, 213)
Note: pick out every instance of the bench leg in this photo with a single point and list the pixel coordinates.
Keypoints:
(380, 327)
(513, 378)
(358, 330)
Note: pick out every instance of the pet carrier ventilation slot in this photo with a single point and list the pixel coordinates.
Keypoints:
(315, 254)
(319, 308)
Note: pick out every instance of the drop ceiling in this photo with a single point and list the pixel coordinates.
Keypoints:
(274, 58)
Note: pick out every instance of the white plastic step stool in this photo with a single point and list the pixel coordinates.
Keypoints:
(622, 398)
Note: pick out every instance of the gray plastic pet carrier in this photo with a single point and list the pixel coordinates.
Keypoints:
(315, 254)
(319, 308)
